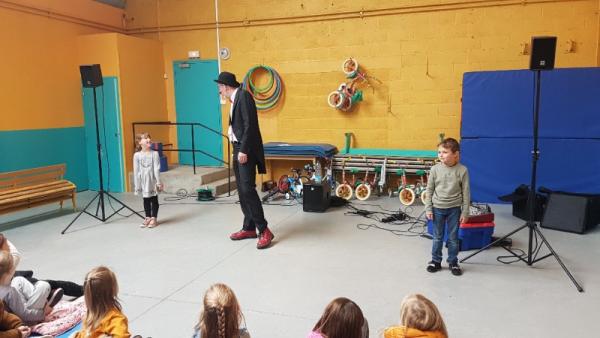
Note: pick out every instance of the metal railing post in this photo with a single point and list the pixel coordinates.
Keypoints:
(229, 168)
(193, 149)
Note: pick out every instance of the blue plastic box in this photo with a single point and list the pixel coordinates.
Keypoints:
(470, 235)
(157, 146)
(164, 166)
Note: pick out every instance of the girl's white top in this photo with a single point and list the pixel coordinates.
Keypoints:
(146, 173)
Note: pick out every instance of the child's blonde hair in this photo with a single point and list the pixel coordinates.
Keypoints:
(221, 315)
(420, 313)
(342, 318)
(6, 264)
(138, 138)
(100, 291)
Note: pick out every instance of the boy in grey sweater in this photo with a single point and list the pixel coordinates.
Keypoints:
(447, 203)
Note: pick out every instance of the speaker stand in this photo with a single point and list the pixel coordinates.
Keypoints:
(100, 194)
(530, 257)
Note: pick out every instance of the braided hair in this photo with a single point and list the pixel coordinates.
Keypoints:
(221, 321)
(221, 315)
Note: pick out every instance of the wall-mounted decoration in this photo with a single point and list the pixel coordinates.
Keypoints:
(348, 93)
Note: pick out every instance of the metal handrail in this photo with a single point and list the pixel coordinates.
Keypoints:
(194, 150)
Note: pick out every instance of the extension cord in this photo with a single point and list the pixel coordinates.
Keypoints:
(396, 217)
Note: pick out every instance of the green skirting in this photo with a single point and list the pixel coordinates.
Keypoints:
(391, 152)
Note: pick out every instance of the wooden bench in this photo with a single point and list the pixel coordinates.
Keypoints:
(30, 188)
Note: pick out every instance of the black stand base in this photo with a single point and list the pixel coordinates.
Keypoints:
(100, 207)
(529, 258)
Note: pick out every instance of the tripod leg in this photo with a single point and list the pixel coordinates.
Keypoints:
(123, 204)
(579, 288)
(494, 242)
(97, 207)
(81, 212)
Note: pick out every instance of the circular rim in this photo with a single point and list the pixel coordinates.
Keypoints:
(347, 67)
(283, 184)
(407, 196)
(332, 100)
(346, 103)
(423, 196)
(363, 192)
(344, 191)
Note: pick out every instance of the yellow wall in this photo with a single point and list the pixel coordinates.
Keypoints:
(419, 53)
(176, 44)
(142, 90)
(138, 64)
(40, 63)
(44, 42)
(101, 49)
(418, 49)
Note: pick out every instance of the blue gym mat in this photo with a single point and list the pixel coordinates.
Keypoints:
(500, 104)
(70, 332)
(497, 130)
(497, 166)
(300, 149)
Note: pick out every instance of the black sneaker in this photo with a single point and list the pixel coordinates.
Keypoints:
(55, 297)
(434, 266)
(455, 269)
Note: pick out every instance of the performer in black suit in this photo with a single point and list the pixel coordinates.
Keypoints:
(248, 154)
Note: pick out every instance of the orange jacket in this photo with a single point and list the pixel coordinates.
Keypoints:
(114, 325)
(404, 332)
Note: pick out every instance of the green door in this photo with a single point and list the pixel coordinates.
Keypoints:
(109, 127)
(197, 100)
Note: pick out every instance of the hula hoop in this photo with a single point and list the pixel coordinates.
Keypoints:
(267, 96)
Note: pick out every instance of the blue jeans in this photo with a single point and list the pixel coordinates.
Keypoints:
(451, 218)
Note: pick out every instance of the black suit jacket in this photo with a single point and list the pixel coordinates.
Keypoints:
(244, 122)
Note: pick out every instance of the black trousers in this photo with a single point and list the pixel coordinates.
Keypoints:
(69, 288)
(245, 177)
(151, 206)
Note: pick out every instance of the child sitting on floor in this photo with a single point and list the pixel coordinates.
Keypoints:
(342, 318)
(27, 301)
(104, 317)
(11, 326)
(221, 315)
(419, 317)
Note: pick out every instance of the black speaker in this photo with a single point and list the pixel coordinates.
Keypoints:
(543, 50)
(91, 76)
(519, 203)
(316, 197)
(572, 212)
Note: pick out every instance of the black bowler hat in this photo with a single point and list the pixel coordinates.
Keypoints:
(227, 79)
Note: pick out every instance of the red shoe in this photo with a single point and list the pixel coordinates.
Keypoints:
(265, 239)
(243, 234)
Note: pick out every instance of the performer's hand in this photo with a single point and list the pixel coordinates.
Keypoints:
(160, 187)
(24, 330)
(242, 158)
(464, 219)
(429, 215)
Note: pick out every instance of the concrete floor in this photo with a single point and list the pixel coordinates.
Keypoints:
(163, 272)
